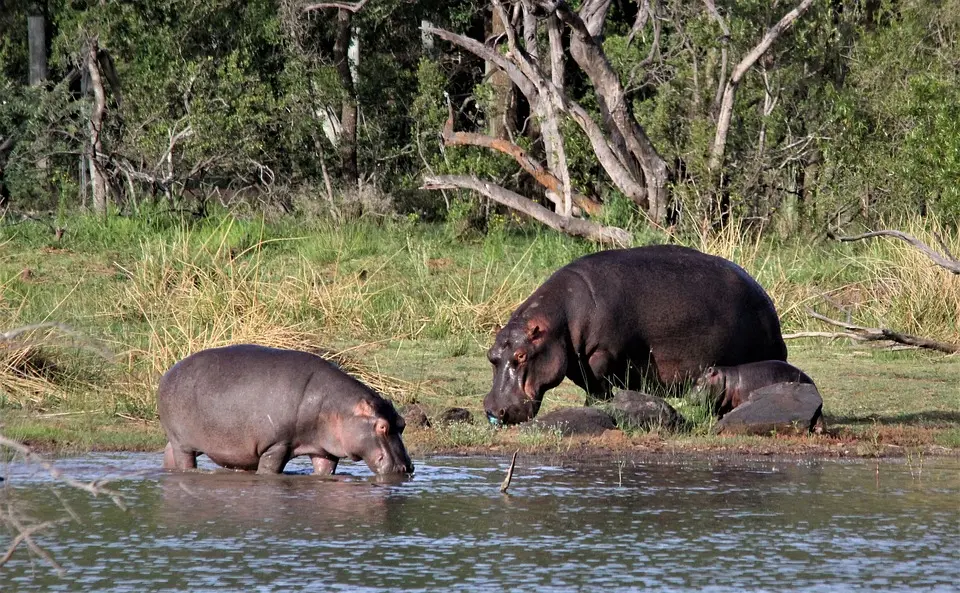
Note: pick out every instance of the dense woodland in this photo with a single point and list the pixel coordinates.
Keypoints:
(594, 116)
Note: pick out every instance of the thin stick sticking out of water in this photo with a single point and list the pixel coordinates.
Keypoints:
(506, 481)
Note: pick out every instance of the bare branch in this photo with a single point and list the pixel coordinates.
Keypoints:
(24, 535)
(9, 336)
(726, 107)
(877, 334)
(536, 87)
(722, 81)
(544, 177)
(341, 5)
(572, 226)
(948, 262)
(95, 488)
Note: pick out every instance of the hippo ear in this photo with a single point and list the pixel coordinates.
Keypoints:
(536, 331)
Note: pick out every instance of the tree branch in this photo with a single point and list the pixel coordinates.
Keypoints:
(876, 334)
(571, 226)
(948, 261)
(95, 488)
(538, 89)
(341, 5)
(729, 93)
(544, 177)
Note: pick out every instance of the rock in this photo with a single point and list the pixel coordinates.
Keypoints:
(455, 415)
(784, 408)
(640, 411)
(415, 416)
(576, 421)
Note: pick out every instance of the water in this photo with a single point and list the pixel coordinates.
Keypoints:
(648, 525)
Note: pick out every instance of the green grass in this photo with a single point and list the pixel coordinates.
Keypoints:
(412, 310)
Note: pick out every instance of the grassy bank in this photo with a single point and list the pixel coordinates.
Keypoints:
(411, 309)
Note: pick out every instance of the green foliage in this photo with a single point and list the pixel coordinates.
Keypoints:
(852, 114)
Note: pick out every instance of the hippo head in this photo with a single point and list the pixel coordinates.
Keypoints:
(711, 383)
(528, 357)
(372, 432)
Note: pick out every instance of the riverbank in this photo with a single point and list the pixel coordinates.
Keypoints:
(411, 309)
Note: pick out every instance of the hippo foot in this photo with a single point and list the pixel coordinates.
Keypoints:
(323, 466)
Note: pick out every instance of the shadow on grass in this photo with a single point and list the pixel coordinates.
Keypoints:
(940, 418)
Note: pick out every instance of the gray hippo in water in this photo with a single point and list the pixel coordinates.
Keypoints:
(629, 317)
(254, 408)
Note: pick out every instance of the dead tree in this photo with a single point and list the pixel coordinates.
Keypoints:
(619, 142)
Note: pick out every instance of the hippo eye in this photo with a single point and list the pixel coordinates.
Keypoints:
(520, 357)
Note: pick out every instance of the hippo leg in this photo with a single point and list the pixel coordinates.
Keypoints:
(273, 460)
(322, 465)
(599, 366)
(176, 458)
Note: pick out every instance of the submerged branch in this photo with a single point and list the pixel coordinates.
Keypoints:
(506, 480)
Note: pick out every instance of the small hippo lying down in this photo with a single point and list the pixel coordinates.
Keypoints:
(732, 385)
(255, 408)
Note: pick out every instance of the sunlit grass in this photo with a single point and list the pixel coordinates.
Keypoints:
(403, 306)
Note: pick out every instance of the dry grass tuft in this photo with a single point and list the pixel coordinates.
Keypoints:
(195, 298)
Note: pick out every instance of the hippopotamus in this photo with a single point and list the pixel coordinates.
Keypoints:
(251, 407)
(631, 318)
(730, 386)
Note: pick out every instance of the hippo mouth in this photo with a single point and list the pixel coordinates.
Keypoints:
(515, 413)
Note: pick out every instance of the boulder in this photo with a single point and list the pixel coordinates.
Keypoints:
(451, 415)
(415, 416)
(784, 408)
(640, 411)
(576, 421)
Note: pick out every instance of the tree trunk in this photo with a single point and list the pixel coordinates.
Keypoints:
(500, 117)
(349, 108)
(588, 53)
(729, 92)
(37, 41)
(95, 126)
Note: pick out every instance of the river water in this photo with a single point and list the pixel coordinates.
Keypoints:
(761, 525)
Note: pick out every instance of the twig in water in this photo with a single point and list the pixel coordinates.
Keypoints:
(95, 488)
(24, 534)
(506, 481)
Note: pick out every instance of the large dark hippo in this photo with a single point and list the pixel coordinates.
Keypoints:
(729, 387)
(631, 318)
(254, 408)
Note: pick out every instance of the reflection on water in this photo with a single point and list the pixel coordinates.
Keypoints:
(679, 526)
